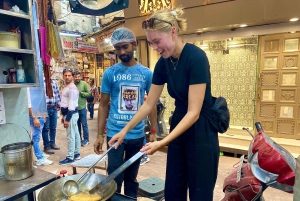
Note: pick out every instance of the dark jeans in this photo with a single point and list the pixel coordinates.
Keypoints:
(83, 121)
(49, 130)
(90, 107)
(192, 162)
(116, 157)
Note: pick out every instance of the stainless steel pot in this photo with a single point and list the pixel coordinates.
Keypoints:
(17, 160)
(53, 191)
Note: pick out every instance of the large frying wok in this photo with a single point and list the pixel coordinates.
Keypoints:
(53, 191)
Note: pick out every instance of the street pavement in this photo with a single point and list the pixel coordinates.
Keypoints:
(156, 167)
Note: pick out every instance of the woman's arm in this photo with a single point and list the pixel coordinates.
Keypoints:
(195, 102)
(143, 111)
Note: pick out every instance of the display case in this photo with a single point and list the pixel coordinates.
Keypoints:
(23, 49)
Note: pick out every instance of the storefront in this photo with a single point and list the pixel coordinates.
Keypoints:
(80, 54)
(106, 56)
(235, 55)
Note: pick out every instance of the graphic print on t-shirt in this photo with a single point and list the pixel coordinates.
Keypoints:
(129, 99)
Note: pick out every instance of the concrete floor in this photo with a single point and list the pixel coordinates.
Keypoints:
(154, 168)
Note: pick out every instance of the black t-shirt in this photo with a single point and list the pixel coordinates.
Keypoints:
(192, 68)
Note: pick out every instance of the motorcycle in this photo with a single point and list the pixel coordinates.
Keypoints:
(267, 165)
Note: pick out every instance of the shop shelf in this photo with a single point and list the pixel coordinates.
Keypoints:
(18, 85)
(13, 14)
(22, 51)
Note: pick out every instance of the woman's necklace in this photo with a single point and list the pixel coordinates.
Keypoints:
(174, 63)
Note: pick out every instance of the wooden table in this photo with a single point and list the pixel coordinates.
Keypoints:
(12, 190)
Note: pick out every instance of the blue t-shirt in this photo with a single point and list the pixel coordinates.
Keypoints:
(126, 87)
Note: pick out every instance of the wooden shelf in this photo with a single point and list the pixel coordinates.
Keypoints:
(14, 14)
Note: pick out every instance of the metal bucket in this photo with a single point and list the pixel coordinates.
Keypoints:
(17, 160)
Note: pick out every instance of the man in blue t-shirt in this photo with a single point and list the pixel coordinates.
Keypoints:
(123, 85)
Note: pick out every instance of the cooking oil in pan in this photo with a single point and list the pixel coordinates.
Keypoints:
(84, 197)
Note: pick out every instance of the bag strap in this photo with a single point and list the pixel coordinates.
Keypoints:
(171, 81)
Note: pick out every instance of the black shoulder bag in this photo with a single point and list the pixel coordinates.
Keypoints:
(218, 115)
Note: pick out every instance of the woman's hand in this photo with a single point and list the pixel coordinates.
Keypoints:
(118, 138)
(151, 147)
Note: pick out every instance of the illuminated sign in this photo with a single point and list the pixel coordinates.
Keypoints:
(103, 42)
(149, 6)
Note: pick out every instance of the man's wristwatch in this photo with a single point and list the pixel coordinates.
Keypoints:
(100, 135)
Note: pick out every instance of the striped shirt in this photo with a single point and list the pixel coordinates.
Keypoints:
(53, 102)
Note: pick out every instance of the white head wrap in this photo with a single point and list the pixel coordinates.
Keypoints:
(122, 35)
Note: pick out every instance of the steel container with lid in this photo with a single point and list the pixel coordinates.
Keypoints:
(17, 160)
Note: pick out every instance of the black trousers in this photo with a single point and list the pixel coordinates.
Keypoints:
(116, 157)
(192, 162)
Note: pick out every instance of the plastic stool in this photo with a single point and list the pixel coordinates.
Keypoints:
(87, 161)
(152, 188)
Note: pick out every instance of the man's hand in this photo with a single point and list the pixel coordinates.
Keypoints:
(151, 147)
(66, 124)
(152, 137)
(118, 138)
(98, 144)
(62, 120)
(36, 122)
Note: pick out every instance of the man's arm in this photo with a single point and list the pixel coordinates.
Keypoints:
(36, 122)
(86, 91)
(102, 116)
(153, 118)
(96, 98)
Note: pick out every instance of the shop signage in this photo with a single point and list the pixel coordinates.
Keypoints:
(147, 6)
(103, 40)
(67, 42)
(106, 63)
(85, 47)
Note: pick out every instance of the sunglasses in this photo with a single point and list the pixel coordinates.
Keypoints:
(150, 23)
(68, 70)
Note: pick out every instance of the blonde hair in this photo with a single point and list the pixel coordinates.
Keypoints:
(172, 16)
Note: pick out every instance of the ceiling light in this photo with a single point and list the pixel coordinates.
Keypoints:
(199, 30)
(106, 40)
(70, 34)
(294, 19)
(292, 31)
(243, 25)
(92, 38)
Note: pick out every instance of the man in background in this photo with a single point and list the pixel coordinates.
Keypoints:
(69, 110)
(84, 93)
(36, 126)
(53, 105)
(93, 98)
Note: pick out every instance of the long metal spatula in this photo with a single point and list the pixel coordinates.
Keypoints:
(102, 185)
(71, 187)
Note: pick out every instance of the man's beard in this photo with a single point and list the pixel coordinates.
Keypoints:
(125, 57)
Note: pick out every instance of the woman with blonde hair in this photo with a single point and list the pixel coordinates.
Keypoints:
(193, 147)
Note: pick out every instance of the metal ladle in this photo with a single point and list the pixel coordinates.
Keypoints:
(71, 187)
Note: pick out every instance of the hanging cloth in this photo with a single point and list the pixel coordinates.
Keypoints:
(43, 41)
(38, 99)
(52, 49)
(59, 44)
